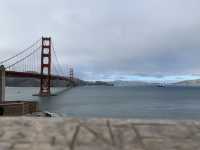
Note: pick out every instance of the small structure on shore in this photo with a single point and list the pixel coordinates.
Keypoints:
(13, 108)
(18, 108)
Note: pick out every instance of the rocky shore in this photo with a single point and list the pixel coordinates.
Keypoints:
(22, 133)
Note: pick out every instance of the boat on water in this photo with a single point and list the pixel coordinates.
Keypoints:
(161, 86)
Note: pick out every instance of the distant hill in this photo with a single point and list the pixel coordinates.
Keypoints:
(194, 83)
(95, 83)
(30, 82)
(189, 83)
(130, 83)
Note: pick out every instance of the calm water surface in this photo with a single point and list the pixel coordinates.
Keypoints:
(118, 102)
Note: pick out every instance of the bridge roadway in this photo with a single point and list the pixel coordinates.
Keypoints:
(33, 75)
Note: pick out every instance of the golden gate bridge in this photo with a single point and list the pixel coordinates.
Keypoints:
(39, 61)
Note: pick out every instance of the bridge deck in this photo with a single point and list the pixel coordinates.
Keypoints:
(33, 75)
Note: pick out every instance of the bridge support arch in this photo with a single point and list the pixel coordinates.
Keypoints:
(45, 83)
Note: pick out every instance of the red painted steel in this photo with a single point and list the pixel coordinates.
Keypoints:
(45, 75)
(71, 74)
(33, 75)
(45, 84)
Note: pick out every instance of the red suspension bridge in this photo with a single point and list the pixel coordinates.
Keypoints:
(40, 61)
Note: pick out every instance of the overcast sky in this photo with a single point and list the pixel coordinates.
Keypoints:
(110, 39)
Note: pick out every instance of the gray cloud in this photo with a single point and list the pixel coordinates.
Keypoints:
(102, 37)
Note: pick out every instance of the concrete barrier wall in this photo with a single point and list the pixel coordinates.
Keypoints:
(97, 134)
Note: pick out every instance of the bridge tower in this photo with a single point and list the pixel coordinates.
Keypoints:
(45, 83)
(71, 74)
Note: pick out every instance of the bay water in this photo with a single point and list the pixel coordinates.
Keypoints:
(117, 102)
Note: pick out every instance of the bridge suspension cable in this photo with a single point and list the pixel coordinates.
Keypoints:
(22, 59)
(58, 67)
(39, 61)
(20, 53)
